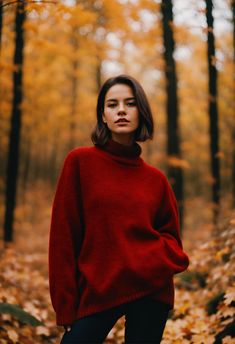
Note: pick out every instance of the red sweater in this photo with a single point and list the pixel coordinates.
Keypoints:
(114, 233)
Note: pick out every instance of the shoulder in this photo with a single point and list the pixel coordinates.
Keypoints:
(80, 152)
(77, 155)
(162, 183)
(156, 172)
(159, 178)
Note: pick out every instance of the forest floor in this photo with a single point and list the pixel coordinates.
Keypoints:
(205, 293)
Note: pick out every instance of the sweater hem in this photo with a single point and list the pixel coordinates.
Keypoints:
(124, 300)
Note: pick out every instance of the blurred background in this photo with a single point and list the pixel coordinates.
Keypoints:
(55, 55)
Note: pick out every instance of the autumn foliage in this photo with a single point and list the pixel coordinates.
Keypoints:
(70, 48)
(205, 297)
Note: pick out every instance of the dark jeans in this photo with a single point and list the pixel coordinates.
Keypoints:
(145, 320)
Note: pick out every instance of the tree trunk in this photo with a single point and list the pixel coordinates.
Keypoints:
(14, 139)
(233, 11)
(233, 168)
(175, 173)
(233, 129)
(1, 14)
(213, 111)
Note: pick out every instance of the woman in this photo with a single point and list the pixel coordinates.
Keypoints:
(114, 239)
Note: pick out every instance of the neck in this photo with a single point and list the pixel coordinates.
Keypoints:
(122, 151)
(124, 140)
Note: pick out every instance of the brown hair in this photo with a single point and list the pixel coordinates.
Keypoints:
(101, 133)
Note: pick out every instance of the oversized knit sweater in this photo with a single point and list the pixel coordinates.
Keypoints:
(114, 234)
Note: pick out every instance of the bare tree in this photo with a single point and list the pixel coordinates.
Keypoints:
(14, 139)
(233, 129)
(175, 174)
(1, 14)
(213, 110)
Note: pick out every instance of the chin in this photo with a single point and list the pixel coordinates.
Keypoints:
(123, 131)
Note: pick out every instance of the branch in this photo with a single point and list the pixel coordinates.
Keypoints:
(26, 2)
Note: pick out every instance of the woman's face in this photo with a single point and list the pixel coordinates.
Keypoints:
(121, 113)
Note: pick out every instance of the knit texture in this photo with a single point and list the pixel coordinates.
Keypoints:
(114, 234)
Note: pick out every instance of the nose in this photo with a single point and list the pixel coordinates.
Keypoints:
(121, 108)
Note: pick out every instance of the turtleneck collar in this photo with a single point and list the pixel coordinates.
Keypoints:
(123, 153)
(119, 149)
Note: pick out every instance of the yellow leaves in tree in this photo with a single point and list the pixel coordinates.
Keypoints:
(177, 162)
(77, 16)
(31, 26)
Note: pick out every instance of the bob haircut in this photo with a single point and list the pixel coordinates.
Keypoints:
(101, 133)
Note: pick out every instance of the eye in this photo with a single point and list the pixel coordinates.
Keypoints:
(131, 103)
(111, 105)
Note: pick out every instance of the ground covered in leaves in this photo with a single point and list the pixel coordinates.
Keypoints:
(204, 308)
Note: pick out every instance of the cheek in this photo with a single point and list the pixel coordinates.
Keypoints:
(108, 114)
(109, 118)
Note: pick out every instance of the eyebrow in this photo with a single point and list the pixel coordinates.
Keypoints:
(114, 100)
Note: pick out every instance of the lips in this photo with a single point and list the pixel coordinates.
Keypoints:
(122, 120)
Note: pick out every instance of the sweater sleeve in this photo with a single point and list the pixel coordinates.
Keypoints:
(167, 224)
(65, 241)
